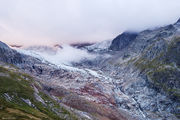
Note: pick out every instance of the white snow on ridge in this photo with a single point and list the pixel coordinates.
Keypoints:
(71, 68)
(98, 74)
(93, 73)
(100, 46)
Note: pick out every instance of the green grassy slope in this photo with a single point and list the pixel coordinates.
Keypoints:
(18, 101)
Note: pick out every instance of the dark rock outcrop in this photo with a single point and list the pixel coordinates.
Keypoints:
(122, 41)
(9, 55)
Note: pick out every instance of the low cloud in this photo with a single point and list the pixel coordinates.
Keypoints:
(58, 56)
(69, 54)
(30, 22)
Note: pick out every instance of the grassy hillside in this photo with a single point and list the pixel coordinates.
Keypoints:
(20, 99)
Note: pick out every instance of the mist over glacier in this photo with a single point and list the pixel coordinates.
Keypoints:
(56, 55)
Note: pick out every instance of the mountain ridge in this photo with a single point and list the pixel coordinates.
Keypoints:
(138, 80)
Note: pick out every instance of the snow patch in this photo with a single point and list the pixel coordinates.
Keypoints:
(7, 97)
(93, 73)
(27, 101)
(70, 68)
(100, 46)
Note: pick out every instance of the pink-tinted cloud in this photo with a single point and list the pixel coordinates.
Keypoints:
(65, 21)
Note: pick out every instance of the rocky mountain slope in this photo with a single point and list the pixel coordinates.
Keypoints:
(54, 84)
(145, 68)
(135, 76)
(156, 54)
(21, 97)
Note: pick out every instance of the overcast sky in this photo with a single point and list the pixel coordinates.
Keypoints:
(67, 21)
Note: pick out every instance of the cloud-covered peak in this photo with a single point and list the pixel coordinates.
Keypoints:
(36, 22)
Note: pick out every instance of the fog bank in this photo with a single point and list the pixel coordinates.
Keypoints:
(44, 22)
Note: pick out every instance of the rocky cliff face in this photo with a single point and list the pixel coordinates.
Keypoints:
(162, 68)
(123, 41)
(144, 68)
(155, 53)
(9, 56)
